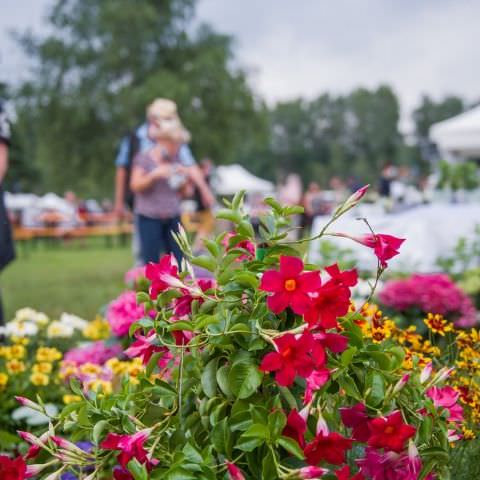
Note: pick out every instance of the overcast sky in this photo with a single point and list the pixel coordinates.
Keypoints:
(308, 47)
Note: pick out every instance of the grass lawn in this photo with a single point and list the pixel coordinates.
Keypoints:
(72, 278)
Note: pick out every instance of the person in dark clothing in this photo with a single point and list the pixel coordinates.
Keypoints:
(7, 252)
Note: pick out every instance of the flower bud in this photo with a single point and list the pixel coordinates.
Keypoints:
(25, 402)
(401, 383)
(312, 472)
(426, 372)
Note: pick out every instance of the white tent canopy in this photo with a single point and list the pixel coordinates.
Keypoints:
(459, 135)
(232, 178)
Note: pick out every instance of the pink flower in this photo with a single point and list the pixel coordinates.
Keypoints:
(161, 275)
(314, 382)
(357, 419)
(130, 446)
(183, 306)
(335, 342)
(293, 357)
(290, 286)
(144, 347)
(390, 432)
(330, 447)
(312, 472)
(435, 293)
(97, 352)
(390, 465)
(384, 246)
(134, 275)
(123, 311)
(447, 397)
(246, 245)
(234, 473)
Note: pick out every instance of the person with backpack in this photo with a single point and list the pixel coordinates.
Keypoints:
(7, 251)
(139, 141)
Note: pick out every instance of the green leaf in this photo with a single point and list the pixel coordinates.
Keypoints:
(98, 430)
(257, 430)
(244, 379)
(152, 363)
(181, 325)
(142, 297)
(192, 454)
(7, 439)
(212, 247)
(138, 470)
(247, 279)
(238, 199)
(348, 384)
(221, 438)
(208, 263)
(291, 446)
(269, 470)
(276, 423)
(375, 383)
(253, 437)
(222, 380)
(425, 430)
(347, 356)
(209, 378)
(229, 215)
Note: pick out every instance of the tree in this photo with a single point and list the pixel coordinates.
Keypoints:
(103, 62)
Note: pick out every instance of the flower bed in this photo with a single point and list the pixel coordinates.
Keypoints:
(266, 371)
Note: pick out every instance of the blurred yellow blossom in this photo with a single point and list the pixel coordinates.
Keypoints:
(39, 379)
(46, 354)
(15, 366)
(98, 329)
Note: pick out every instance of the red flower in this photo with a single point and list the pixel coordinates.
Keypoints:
(242, 244)
(384, 246)
(160, 273)
(347, 278)
(296, 427)
(183, 305)
(390, 432)
(293, 357)
(356, 418)
(234, 473)
(330, 447)
(120, 473)
(330, 302)
(344, 474)
(144, 347)
(130, 446)
(290, 287)
(335, 342)
(12, 469)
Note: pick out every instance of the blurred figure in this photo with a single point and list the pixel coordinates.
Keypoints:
(339, 189)
(312, 204)
(158, 176)
(387, 176)
(137, 142)
(290, 193)
(7, 252)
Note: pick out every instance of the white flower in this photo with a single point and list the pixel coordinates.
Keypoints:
(59, 329)
(73, 321)
(28, 314)
(16, 328)
(41, 319)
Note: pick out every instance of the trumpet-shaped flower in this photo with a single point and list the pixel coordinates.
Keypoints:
(144, 347)
(290, 286)
(12, 469)
(390, 432)
(293, 357)
(330, 447)
(160, 274)
(357, 419)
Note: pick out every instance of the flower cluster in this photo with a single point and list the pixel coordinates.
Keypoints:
(435, 293)
(267, 370)
(122, 312)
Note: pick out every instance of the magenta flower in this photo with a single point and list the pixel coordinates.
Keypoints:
(130, 446)
(97, 352)
(183, 306)
(447, 397)
(123, 311)
(296, 426)
(312, 472)
(234, 473)
(330, 447)
(290, 286)
(314, 382)
(246, 245)
(144, 347)
(162, 275)
(357, 419)
(391, 465)
(384, 246)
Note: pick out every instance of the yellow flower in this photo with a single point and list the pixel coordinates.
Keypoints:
(43, 367)
(98, 329)
(3, 380)
(71, 399)
(468, 434)
(20, 340)
(437, 324)
(46, 354)
(39, 379)
(17, 351)
(15, 366)
(67, 369)
(99, 386)
(90, 369)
